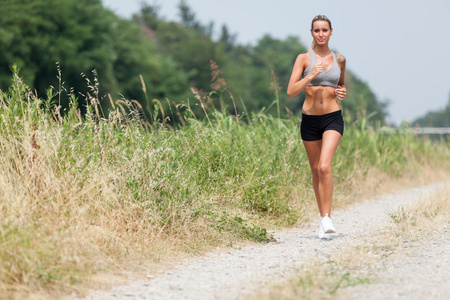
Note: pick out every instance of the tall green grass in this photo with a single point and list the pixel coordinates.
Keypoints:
(87, 194)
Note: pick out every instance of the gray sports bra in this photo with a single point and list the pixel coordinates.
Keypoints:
(330, 77)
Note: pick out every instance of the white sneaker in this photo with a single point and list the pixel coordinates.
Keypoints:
(322, 234)
(327, 225)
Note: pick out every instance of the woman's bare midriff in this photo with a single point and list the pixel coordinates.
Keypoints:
(320, 100)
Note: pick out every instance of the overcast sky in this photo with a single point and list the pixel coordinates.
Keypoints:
(401, 48)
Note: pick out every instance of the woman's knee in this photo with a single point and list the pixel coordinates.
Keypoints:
(324, 170)
(315, 171)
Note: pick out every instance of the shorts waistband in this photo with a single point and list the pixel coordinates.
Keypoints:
(338, 112)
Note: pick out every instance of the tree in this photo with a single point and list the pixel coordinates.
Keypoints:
(248, 72)
(187, 15)
(361, 101)
(49, 31)
(82, 36)
(227, 39)
(440, 118)
(171, 57)
(184, 43)
(148, 16)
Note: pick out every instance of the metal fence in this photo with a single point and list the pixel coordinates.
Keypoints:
(431, 130)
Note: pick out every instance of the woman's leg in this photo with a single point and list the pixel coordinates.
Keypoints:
(313, 150)
(330, 143)
(320, 155)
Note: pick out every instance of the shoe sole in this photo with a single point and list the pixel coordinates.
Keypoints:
(330, 227)
(323, 235)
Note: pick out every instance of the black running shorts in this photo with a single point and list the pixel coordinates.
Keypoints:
(312, 126)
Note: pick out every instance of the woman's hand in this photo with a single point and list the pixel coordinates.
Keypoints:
(317, 69)
(341, 92)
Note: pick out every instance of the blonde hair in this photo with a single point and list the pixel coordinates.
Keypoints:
(318, 18)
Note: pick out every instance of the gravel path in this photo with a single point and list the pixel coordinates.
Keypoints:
(420, 271)
(238, 272)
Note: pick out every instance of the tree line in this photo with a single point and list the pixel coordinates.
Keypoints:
(62, 44)
(439, 118)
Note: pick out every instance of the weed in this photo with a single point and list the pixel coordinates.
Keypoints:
(127, 185)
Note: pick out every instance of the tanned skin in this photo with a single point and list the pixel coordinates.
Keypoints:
(320, 100)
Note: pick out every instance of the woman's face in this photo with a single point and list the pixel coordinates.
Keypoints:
(321, 32)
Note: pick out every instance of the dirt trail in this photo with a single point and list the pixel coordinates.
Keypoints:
(238, 272)
(419, 271)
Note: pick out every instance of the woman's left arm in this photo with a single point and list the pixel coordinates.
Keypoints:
(341, 91)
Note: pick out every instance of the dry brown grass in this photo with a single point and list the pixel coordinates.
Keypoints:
(377, 183)
(89, 232)
(84, 200)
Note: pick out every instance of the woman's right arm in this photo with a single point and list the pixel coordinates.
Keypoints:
(297, 83)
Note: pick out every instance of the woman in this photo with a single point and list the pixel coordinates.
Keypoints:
(320, 73)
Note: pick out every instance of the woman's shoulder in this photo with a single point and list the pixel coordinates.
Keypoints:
(305, 57)
(340, 58)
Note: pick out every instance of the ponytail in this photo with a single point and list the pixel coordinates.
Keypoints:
(312, 46)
